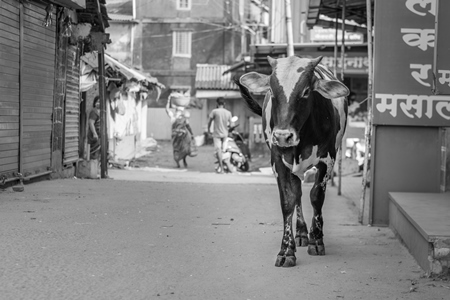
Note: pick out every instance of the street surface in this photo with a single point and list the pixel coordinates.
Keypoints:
(129, 239)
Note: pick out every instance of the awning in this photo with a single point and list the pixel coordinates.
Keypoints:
(130, 73)
(355, 11)
(73, 4)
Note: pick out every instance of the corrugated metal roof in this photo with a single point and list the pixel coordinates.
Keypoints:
(209, 77)
(355, 10)
(129, 72)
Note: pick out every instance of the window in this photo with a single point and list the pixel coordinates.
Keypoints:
(183, 4)
(182, 43)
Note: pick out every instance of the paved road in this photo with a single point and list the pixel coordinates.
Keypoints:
(122, 239)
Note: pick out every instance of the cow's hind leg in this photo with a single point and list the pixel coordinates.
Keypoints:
(316, 245)
(289, 187)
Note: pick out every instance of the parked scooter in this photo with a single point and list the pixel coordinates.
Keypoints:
(236, 151)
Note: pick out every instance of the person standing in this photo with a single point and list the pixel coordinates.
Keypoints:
(222, 119)
(182, 137)
(94, 129)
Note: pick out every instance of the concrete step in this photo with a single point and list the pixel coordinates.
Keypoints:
(422, 221)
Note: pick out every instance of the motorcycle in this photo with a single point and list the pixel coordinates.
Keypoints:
(236, 151)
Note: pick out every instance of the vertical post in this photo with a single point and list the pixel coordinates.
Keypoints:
(368, 129)
(290, 35)
(342, 79)
(21, 86)
(260, 23)
(241, 22)
(335, 42)
(103, 131)
(434, 88)
(335, 58)
(233, 34)
(133, 28)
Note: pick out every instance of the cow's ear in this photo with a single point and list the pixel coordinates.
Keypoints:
(331, 88)
(255, 82)
(272, 62)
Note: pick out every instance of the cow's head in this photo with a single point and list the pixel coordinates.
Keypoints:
(290, 92)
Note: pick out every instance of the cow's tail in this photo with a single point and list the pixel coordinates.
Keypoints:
(252, 104)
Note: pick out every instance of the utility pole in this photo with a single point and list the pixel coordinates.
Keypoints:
(368, 130)
(100, 39)
(290, 35)
(342, 79)
(242, 21)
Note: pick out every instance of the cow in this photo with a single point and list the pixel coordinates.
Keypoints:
(304, 116)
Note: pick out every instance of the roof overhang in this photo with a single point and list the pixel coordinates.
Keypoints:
(355, 12)
(74, 4)
(130, 73)
(213, 94)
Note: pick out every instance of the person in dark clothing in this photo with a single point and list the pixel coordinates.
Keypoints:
(94, 129)
(182, 137)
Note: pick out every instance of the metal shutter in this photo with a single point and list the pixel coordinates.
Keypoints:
(37, 88)
(72, 106)
(9, 86)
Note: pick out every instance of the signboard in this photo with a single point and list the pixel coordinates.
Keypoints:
(403, 76)
(354, 62)
(441, 66)
(321, 35)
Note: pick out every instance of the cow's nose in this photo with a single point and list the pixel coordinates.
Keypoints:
(283, 138)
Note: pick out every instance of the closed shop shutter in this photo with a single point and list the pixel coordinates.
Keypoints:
(37, 88)
(9, 86)
(72, 106)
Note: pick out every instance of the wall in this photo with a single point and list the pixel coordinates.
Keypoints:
(405, 161)
(212, 41)
(207, 9)
(210, 44)
(120, 47)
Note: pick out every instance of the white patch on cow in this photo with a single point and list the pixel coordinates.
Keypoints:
(268, 116)
(300, 168)
(274, 171)
(330, 164)
(288, 75)
(339, 104)
(286, 163)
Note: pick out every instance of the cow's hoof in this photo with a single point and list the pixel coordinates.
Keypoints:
(301, 241)
(316, 248)
(285, 261)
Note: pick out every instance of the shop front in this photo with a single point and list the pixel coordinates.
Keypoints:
(411, 117)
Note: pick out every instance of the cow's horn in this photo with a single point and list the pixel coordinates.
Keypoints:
(316, 61)
(272, 61)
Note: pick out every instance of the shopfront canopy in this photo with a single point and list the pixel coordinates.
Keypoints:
(324, 13)
(130, 73)
(115, 70)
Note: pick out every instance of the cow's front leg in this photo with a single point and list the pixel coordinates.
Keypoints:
(316, 245)
(289, 187)
(301, 235)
